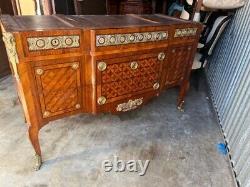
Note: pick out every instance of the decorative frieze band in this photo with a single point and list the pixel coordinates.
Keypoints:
(185, 32)
(122, 39)
(53, 42)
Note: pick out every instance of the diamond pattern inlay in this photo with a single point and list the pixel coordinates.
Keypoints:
(119, 79)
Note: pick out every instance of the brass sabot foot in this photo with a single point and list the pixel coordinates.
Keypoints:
(180, 107)
(38, 162)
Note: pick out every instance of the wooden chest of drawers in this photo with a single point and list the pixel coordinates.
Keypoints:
(64, 65)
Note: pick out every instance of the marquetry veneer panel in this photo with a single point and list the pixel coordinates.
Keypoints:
(122, 78)
(177, 64)
(59, 88)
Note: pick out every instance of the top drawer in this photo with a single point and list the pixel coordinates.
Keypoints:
(185, 32)
(113, 39)
(130, 38)
(51, 42)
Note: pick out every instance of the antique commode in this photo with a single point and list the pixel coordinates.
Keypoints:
(64, 65)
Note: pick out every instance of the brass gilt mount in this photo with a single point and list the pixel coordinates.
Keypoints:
(10, 45)
(130, 38)
(130, 105)
(53, 42)
(38, 162)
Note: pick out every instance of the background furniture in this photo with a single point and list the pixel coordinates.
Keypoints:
(216, 24)
(90, 7)
(5, 8)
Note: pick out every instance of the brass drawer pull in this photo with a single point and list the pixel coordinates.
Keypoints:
(161, 56)
(39, 71)
(75, 66)
(102, 66)
(101, 100)
(156, 86)
(46, 114)
(134, 65)
(78, 106)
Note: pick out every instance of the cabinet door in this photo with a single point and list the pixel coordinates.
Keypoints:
(59, 88)
(176, 68)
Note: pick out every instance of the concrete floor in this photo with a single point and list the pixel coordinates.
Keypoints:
(181, 147)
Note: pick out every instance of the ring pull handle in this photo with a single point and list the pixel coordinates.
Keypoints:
(161, 56)
(156, 86)
(134, 65)
(75, 66)
(101, 66)
(39, 71)
(101, 100)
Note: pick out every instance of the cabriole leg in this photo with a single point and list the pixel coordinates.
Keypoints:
(183, 91)
(34, 139)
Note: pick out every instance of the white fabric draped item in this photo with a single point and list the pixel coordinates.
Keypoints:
(223, 4)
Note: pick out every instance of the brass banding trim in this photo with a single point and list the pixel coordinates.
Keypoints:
(130, 105)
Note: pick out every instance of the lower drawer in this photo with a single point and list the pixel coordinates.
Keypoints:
(127, 104)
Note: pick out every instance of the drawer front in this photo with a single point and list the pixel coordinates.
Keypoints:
(51, 42)
(177, 64)
(130, 37)
(186, 32)
(59, 88)
(123, 77)
(127, 104)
